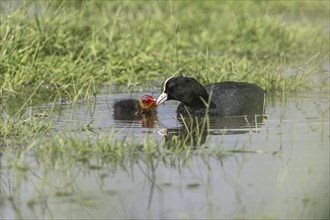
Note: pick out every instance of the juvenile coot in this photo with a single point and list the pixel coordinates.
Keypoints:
(131, 108)
(227, 98)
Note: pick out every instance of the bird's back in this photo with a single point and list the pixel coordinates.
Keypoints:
(236, 98)
(126, 106)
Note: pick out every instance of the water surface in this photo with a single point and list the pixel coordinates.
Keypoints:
(273, 167)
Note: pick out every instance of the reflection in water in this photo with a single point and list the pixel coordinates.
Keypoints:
(237, 122)
(146, 121)
(194, 132)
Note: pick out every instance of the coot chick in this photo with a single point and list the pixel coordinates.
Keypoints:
(227, 98)
(131, 108)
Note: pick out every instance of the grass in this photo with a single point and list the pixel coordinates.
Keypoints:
(60, 50)
(67, 51)
(57, 51)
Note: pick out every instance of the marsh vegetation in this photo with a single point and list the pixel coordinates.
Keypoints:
(64, 155)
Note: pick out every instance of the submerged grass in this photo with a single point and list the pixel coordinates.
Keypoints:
(62, 152)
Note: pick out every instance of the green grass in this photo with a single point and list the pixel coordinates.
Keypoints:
(53, 51)
(67, 50)
(76, 48)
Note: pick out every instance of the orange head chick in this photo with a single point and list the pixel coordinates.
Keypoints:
(147, 104)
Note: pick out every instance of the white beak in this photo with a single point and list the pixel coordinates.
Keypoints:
(162, 98)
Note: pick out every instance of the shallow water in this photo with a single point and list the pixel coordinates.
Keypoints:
(277, 167)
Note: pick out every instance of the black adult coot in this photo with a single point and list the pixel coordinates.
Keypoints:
(227, 98)
(131, 108)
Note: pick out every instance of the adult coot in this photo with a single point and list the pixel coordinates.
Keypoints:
(227, 98)
(131, 108)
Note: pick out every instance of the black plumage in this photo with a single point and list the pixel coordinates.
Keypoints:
(227, 98)
(131, 109)
(126, 106)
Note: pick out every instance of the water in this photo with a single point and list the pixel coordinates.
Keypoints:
(277, 167)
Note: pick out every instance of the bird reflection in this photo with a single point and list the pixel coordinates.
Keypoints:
(193, 132)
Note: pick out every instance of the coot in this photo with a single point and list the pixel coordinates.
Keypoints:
(131, 108)
(227, 98)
